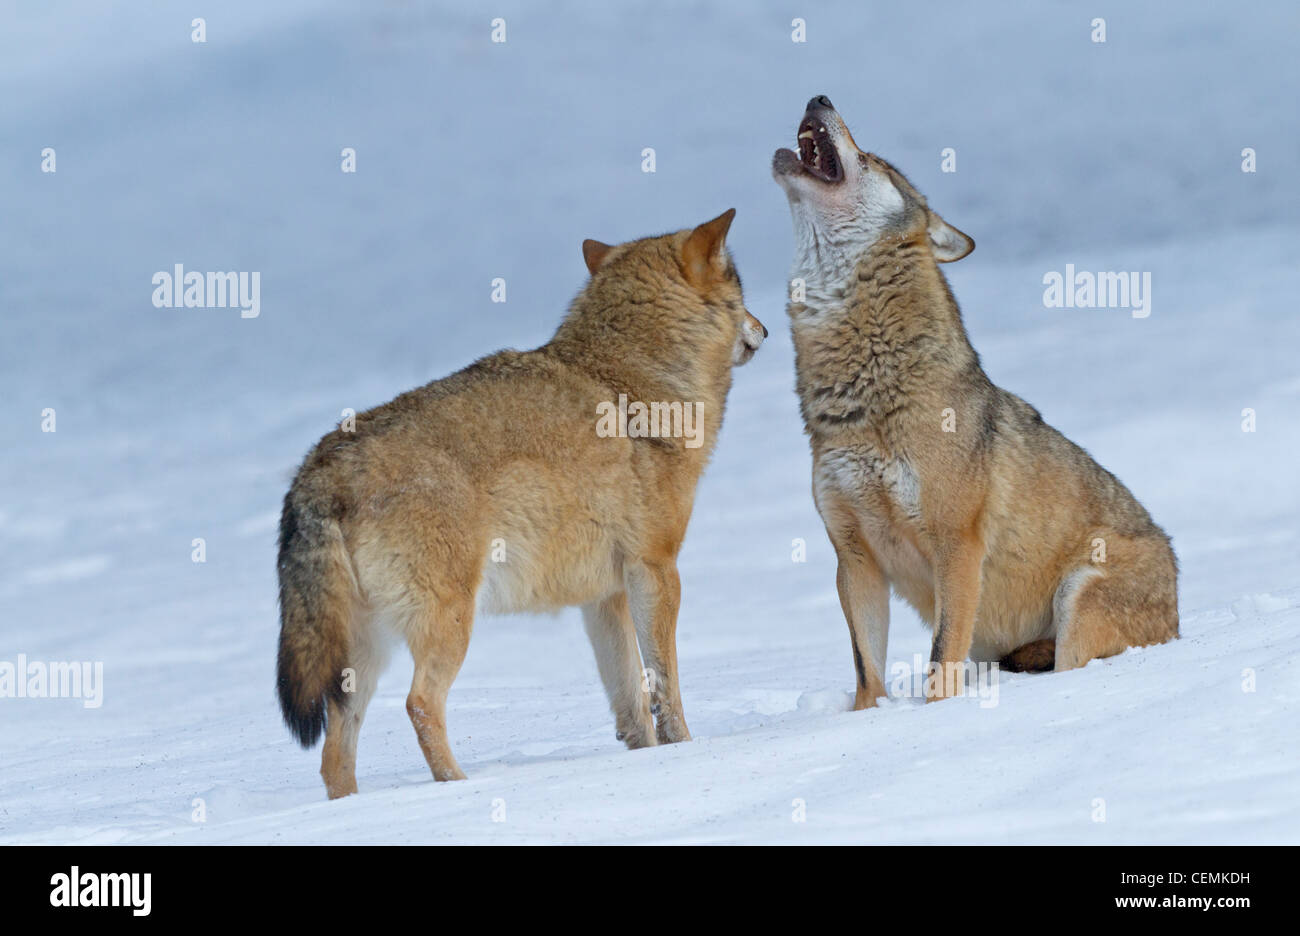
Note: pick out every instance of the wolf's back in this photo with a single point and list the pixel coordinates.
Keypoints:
(317, 595)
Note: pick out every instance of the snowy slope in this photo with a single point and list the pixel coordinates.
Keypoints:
(476, 161)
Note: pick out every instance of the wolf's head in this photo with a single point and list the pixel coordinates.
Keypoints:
(685, 284)
(844, 200)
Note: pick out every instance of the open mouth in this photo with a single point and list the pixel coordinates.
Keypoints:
(816, 151)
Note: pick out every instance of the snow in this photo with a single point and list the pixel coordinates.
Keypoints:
(478, 160)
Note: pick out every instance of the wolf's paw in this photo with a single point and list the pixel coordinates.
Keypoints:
(672, 729)
(636, 738)
(866, 698)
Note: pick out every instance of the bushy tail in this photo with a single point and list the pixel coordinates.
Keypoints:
(317, 594)
(1037, 656)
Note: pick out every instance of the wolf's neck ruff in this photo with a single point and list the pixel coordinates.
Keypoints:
(867, 346)
(634, 346)
(611, 345)
(828, 257)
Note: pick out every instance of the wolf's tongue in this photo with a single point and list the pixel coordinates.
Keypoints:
(806, 150)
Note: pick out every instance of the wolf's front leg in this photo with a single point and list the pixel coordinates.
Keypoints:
(864, 597)
(654, 594)
(613, 637)
(957, 568)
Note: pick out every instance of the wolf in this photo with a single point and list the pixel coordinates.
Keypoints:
(1010, 541)
(492, 489)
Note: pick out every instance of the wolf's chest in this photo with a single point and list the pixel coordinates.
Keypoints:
(881, 497)
(884, 485)
(851, 378)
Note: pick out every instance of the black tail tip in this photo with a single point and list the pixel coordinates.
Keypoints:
(306, 722)
(1016, 662)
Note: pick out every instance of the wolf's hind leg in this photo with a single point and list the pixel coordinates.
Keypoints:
(366, 659)
(613, 637)
(438, 634)
(1133, 603)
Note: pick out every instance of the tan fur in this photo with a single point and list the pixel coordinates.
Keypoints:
(504, 455)
(992, 531)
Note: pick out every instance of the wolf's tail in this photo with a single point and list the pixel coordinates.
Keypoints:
(317, 595)
(1037, 656)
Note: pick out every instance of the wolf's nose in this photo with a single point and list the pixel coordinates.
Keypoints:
(820, 100)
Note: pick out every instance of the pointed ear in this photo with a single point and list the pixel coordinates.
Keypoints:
(594, 252)
(703, 248)
(949, 244)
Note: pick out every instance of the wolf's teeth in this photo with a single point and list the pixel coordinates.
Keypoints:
(806, 135)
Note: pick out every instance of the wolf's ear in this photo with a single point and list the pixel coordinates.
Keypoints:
(949, 243)
(703, 248)
(594, 252)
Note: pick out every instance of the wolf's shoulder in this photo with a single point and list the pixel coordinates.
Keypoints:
(420, 403)
(500, 366)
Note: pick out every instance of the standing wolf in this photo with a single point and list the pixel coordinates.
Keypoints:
(1007, 538)
(495, 488)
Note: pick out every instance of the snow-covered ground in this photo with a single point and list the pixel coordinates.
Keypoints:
(477, 160)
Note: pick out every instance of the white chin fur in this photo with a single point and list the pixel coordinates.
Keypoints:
(835, 225)
(748, 342)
